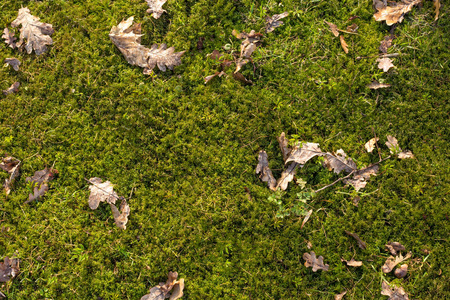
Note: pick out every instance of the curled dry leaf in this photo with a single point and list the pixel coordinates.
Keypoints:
(9, 38)
(248, 46)
(217, 74)
(128, 39)
(361, 243)
(339, 162)
(333, 28)
(121, 217)
(352, 262)
(287, 176)
(12, 166)
(340, 296)
(394, 247)
(391, 262)
(370, 145)
(13, 62)
(161, 291)
(101, 192)
(239, 77)
(14, 88)
(37, 193)
(306, 218)
(394, 148)
(360, 177)
(274, 21)
(36, 33)
(315, 262)
(343, 44)
(395, 13)
(263, 169)
(39, 183)
(386, 43)
(155, 7)
(402, 271)
(379, 4)
(284, 146)
(374, 85)
(437, 6)
(353, 28)
(303, 152)
(395, 293)
(9, 269)
(385, 64)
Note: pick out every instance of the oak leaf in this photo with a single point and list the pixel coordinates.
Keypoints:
(303, 152)
(101, 192)
(394, 148)
(9, 269)
(402, 271)
(12, 166)
(394, 247)
(121, 217)
(14, 88)
(333, 28)
(352, 262)
(370, 145)
(361, 243)
(37, 193)
(315, 262)
(379, 4)
(395, 13)
(9, 38)
(263, 169)
(155, 7)
(127, 37)
(274, 21)
(339, 162)
(385, 64)
(36, 33)
(391, 262)
(39, 183)
(343, 44)
(395, 293)
(250, 41)
(13, 62)
(360, 177)
(162, 291)
(306, 218)
(386, 43)
(374, 85)
(287, 176)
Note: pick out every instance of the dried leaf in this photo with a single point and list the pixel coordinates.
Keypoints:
(216, 55)
(315, 263)
(263, 168)
(128, 38)
(36, 33)
(405, 154)
(374, 85)
(385, 64)
(12, 166)
(306, 218)
(353, 28)
(340, 296)
(352, 262)
(287, 176)
(161, 291)
(402, 271)
(239, 77)
(284, 146)
(339, 162)
(217, 74)
(37, 193)
(394, 247)
(250, 42)
(155, 7)
(391, 262)
(101, 192)
(14, 88)
(396, 293)
(303, 152)
(344, 44)
(9, 38)
(370, 145)
(395, 13)
(13, 62)
(392, 144)
(240, 63)
(42, 176)
(177, 291)
(274, 21)
(9, 269)
(333, 28)
(386, 43)
(360, 177)
(361, 244)
(437, 6)
(121, 218)
(379, 4)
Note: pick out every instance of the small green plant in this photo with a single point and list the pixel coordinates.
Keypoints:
(299, 208)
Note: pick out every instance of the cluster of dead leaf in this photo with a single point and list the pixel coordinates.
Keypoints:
(250, 41)
(9, 269)
(172, 289)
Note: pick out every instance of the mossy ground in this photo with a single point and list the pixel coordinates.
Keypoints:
(187, 151)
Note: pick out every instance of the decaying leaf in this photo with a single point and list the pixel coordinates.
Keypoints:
(379, 4)
(340, 296)
(315, 262)
(155, 7)
(128, 39)
(361, 243)
(9, 38)
(101, 192)
(14, 88)
(405, 154)
(437, 6)
(395, 13)
(370, 145)
(333, 28)
(391, 262)
(248, 46)
(37, 193)
(374, 85)
(121, 217)
(353, 28)
(36, 33)
(343, 44)
(162, 291)
(303, 152)
(339, 162)
(385, 64)
(9, 269)
(402, 271)
(39, 183)
(306, 218)
(395, 293)
(360, 177)
(284, 146)
(274, 21)
(287, 176)
(12, 166)
(13, 62)
(394, 148)
(352, 262)
(386, 43)
(216, 55)
(217, 74)
(263, 168)
(239, 77)
(394, 247)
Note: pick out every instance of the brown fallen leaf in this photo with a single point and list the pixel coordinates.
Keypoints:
(9, 38)
(402, 271)
(36, 33)
(352, 262)
(9, 269)
(274, 21)
(386, 43)
(287, 176)
(395, 247)
(14, 88)
(216, 55)
(379, 4)
(374, 85)
(395, 13)
(239, 77)
(343, 44)
(155, 7)
(39, 183)
(101, 192)
(353, 28)
(391, 262)
(303, 152)
(217, 74)
(395, 293)
(161, 291)
(394, 148)
(266, 173)
(284, 146)
(340, 296)
(339, 162)
(37, 193)
(333, 28)
(370, 145)
(128, 39)
(385, 64)
(360, 177)
(315, 262)
(12, 166)
(437, 6)
(405, 154)
(240, 62)
(306, 218)
(13, 62)
(361, 243)
(121, 217)
(250, 41)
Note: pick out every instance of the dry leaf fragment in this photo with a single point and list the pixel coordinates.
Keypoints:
(36, 33)
(250, 42)
(339, 162)
(333, 28)
(14, 88)
(353, 28)
(216, 55)
(263, 168)
(391, 262)
(101, 192)
(385, 64)
(352, 262)
(402, 271)
(315, 262)
(284, 146)
(437, 6)
(161, 291)
(239, 77)
(217, 74)
(379, 4)
(395, 247)
(121, 217)
(287, 176)
(37, 193)
(405, 154)
(156, 7)
(386, 43)
(12, 166)
(360, 177)
(340, 296)
(343, 44)
(241, 62)
(128, 39)
(13, 62)
(374, 85)
(370, 145)
(274, 21)
(395, 13)
(303, 152)
(9, 38)
(394, 148)
(9, 269)
(39, 183)
(306, 218)
(361, 243)
(396, 293)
